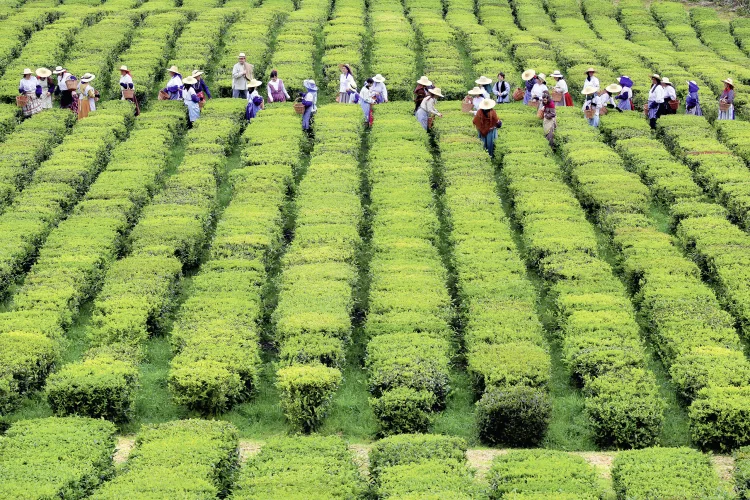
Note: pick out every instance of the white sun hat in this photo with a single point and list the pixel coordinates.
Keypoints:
(487, 104)
(378, 78)
(475, 91)
(483, 80)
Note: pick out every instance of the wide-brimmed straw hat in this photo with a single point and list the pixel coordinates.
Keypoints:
(423, 80)
(189, 80)
(613, 88)
(729, 82)
(87, 77)
(483, 80)
(58, 70)
(197, 73)
(242, 54)
(43, 72)
(528, 75)
(666, 80)
(344, 65)
(656, 76)
(542, 77)
(27, 71)
(435, 91)
(590, 70)
(487, 104)
(556, 74)
(254, 83)
(475, 91)
(123, 68)
(378, 78)
(173, 69)
(588, 90)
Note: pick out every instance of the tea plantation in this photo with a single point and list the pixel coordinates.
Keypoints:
(246, 309)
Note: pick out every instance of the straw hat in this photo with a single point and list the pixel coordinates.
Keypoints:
(378, 78)
(43, 73)
(173, 69)
(487, 104)
(87, 77)
(656, 76)
(197, 73)
(423, 80)
(528, 75)
(254, 83)
(556, 74)
(542, 77)
(590, 70)
(26, 71)
(482, 80)
(189, 80)
(666, 80)
(343, 65)
(242, 54)
(435, 91)
(123, 68)
(729, 82)
(588, 90)
(475, 91)
(613, 88)
(58, 70)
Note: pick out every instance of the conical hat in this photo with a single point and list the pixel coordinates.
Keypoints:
(483, 80)
(528, 75)
(487, 104)
(475, 91)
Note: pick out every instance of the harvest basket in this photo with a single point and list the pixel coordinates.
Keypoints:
(674, 104)
(71, 84)
(299, 108)
(22, 100)
(603, 111)
(590, 113)
(128, 94)
(724, 105)
(534, 103)
(645, 109)
(556, 96)
(540, 113)
(163, 96)
(518, 94)
(466, 105)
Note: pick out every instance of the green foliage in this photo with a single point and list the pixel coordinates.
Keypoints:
(664, 473)
(720, 417)
(306, 394)
(100, 387)
(302, 467)
(393, 44)
(56, 457)
(404, 410)
(194, 458)
(542, 472)
(25, 360)
(741, 472)
(515, 415)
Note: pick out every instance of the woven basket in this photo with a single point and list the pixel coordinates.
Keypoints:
(534, 103)
(299, 108)
(675, 104)
(128, 94)
(163, 96)
(556, 96)
(22, 100)
(589, 113)
(645, 109)
(724, 106)
(466, 106)
(71, 84)
(603, 112)
(518, 94)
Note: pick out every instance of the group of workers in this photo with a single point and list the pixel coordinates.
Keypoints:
(36, 90)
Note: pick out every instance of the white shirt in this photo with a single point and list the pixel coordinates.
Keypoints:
(312, 96)
(365, 95)
(594, 82)
(656, 93)
(239, 81)
(28, 85)
(537, 90)
(379, 88)
(669, 93)
(346, 81)
(252, 94)
(595, 103)
(485, 94)
(273, 86)
(561, 86)
(186, 95)
(496, 89)
(175, 81)
(61, 79)
(126, 79)
(88, 92)
(428, 105)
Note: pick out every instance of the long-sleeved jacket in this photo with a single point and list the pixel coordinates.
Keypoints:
(239, 81)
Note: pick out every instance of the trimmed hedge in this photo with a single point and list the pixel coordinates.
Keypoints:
(393, 42)
(345, 41)
(408, 320)
(665, 473)
(185, 458)
(18, 28)
(741, 472)
(421, 466)
(55, 457)
(506, 349)
(318, 271)
(301, 467)
(542, 472)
